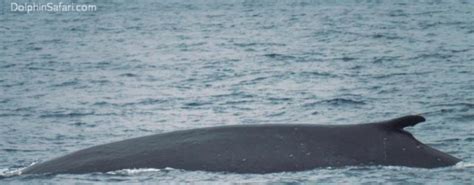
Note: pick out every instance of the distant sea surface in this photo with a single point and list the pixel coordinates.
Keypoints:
(71, 80)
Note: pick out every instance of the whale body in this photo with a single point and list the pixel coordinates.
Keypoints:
(262, 148)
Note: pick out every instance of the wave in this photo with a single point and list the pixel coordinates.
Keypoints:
(146, 101)
(463, 104)
(258, 44)
(336, 102)
(383, 76)
(236, 102)
(277, 56)
(128, 75)
(67, 83)
(66, 114)
(196, 104)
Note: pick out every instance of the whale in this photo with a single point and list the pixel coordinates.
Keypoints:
(259, 148)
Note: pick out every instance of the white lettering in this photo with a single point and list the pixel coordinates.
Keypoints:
(51, 7)
(13, 5)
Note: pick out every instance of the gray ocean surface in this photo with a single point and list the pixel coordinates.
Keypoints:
(72, 80)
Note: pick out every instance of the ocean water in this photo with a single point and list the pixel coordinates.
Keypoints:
(72, 80)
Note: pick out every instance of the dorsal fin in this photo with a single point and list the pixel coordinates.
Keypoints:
(405, 121)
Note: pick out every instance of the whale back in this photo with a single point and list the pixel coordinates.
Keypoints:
(259, 148)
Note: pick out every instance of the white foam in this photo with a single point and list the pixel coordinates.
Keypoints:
(137, 171)
(9, 172)
(463, 164)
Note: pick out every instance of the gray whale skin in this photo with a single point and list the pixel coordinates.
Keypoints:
(262, 148)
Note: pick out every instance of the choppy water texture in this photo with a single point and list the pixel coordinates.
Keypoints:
(73, 80)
